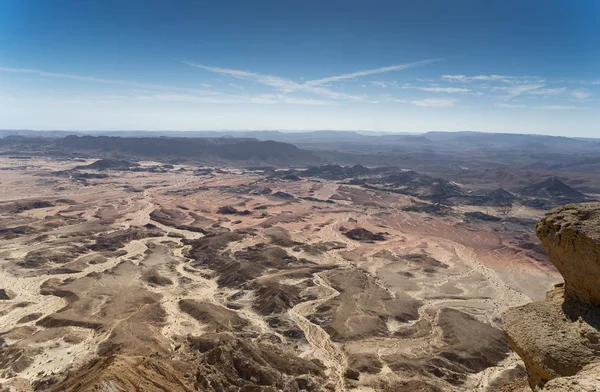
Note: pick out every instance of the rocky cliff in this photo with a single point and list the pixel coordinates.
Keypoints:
(559, 338)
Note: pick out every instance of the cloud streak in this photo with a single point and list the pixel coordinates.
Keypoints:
(510, 106)
(316, 86)
(379, 83)
(547, 91)
(102, 80)
(354, 75)
(449, 90)
(429, 102)
(262, 99)
(492, 78)
(541, 107)
(581, 94)
(184, 94)
(520, 89)
(285, 86)
(558, 107)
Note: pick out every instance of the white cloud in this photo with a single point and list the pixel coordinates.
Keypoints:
(540, 107)
(430, 102)
(492, 78)
(547, 91)
(581, 93)
(235, 85)
(449, 90)
(434, 102)
(102, 80)
(262, 99)
(510, 106)
(281, 84)
(465, 79)
(315, 87)
(304, 101)
(378, 83)
(516, 90)
(558, 107)
(183, 98)
(355, 75)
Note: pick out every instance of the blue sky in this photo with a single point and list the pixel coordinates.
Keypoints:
(398, 66)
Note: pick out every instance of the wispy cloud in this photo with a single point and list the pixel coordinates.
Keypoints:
(316, 86)
(541, 107)
(516, 90)
(354, 75)
(181, 98)
(449, 90)
(510, 106)
(436, 88)
(434, 102)
(379, 83)
(174, 93)
(547, 91)
(466, 79)
(581, 94)
(429, 102)
(282, 98)
(235, 85)
(559, 107)
(102, 80)
(285, 86)
(492, 78)
(262, 99)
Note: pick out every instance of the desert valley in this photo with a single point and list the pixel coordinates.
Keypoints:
(169, 270)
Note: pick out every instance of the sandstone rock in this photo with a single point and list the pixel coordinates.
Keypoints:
(571, 236)
(6, 294)
(587, 380)
(553, 343)
(559, 339)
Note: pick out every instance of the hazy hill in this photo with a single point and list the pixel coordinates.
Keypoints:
(205, 150)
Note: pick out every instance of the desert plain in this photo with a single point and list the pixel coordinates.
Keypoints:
(201, 278)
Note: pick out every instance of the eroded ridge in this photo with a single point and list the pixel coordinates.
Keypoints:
(181, 278)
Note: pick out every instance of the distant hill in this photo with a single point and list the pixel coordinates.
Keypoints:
(552, 192)
(109, 164)
(551, 187)
(206, 150)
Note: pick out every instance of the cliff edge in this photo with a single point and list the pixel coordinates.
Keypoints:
(559, 338)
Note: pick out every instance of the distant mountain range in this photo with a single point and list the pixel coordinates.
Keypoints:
(203, 150)
(431, 151)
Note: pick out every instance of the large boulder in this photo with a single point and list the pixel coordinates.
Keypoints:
(571, 236)
(587, 380)
(554, 338)
(559, 339)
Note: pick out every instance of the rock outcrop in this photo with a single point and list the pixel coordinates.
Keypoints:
(571, 236)
(559, 339)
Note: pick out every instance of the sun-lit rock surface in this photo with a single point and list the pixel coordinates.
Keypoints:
(560, 337)
(571, 236)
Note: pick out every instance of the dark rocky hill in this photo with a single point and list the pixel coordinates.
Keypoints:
(239, 151)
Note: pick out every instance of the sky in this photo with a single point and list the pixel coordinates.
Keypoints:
(526, 66)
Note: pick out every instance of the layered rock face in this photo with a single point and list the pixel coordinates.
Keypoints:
(559, 339)
(571, 236)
